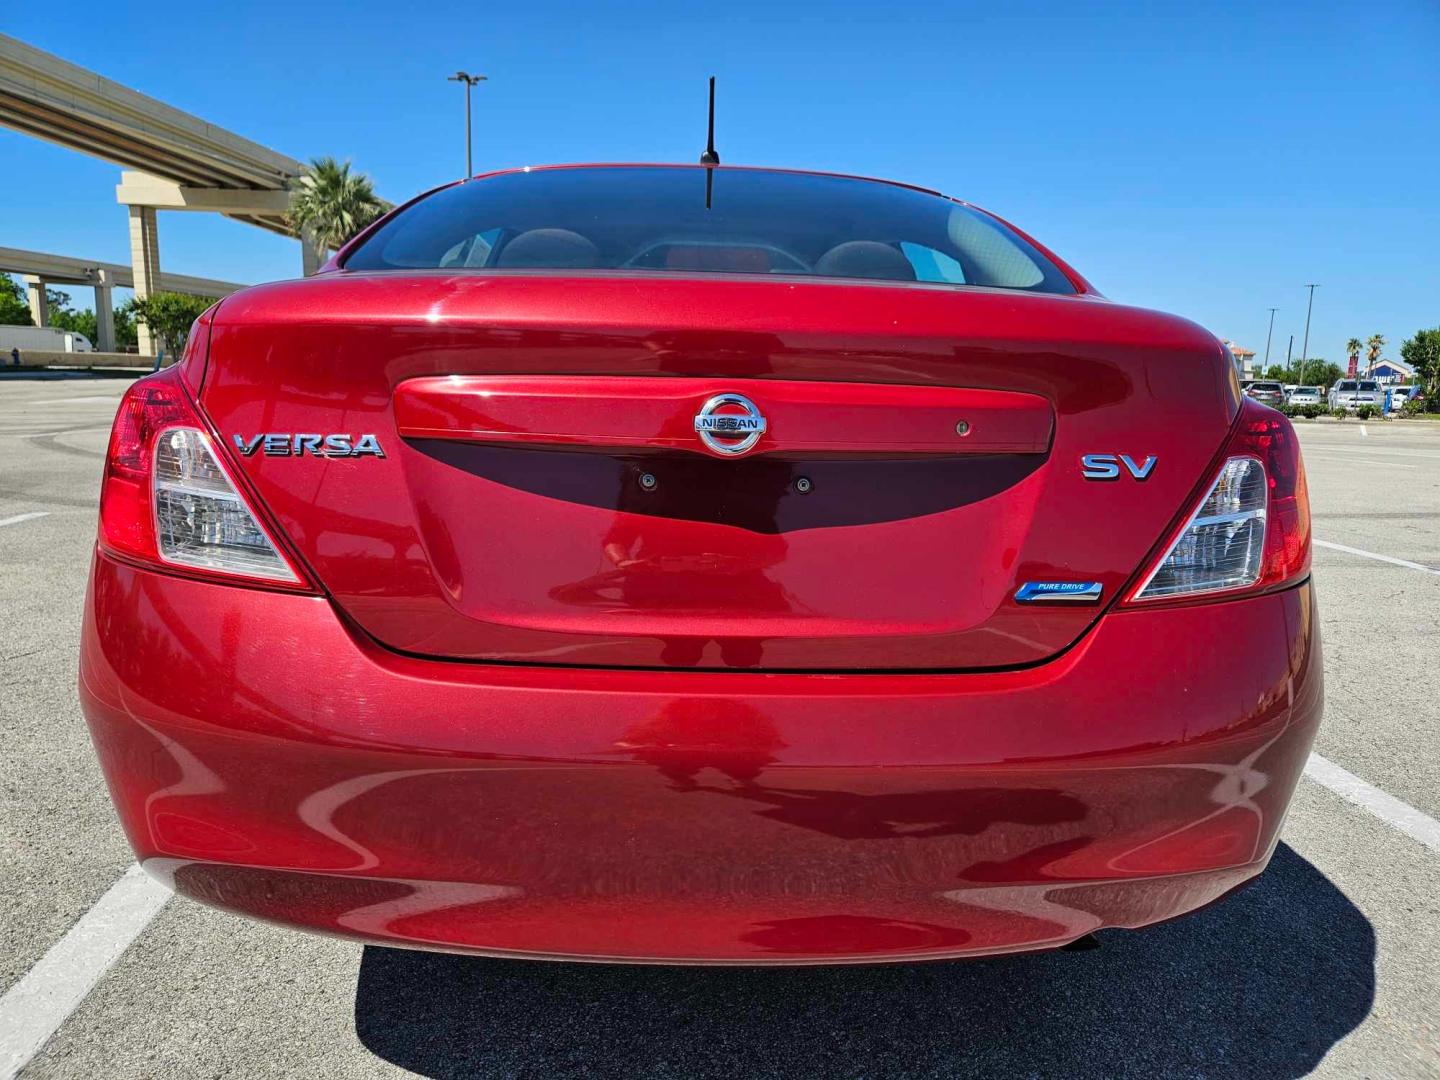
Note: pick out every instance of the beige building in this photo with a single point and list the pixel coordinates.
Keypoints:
(1244, 359)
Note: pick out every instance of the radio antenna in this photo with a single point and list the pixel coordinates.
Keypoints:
(710, 158)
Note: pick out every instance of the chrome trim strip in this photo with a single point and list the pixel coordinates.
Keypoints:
(1059, 592)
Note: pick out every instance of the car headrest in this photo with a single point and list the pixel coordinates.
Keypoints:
(865, 259)
(549, 249)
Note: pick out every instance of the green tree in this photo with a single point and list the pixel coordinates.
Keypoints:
(1422, 352)
(332, 203)
(64, 317)
(1317, 372)
(1353, 347)
(14, 310)
(1277, 373)
(169, 316)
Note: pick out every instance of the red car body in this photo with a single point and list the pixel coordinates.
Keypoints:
(554, 677)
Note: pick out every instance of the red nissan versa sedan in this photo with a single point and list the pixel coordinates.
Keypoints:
(574, 569)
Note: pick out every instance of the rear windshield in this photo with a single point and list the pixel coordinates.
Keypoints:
(1266, 386)
(657, 219)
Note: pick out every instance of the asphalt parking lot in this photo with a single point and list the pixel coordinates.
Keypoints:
(1329, 963)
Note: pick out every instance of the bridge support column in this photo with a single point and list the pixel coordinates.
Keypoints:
(145, 262)
(310, 255)
(39, 303)
(104, 312)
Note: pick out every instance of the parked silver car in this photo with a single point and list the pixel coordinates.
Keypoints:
(1305, 395)
(1352, 393)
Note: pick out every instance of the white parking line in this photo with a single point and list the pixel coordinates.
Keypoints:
(1356, 459)
(35, 1007)
(114, 399)
(18, 518)
(1387, 808)
(1378, 558)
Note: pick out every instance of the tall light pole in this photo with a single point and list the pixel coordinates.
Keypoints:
(1305, 345)
(1267, 336)
(469, 81)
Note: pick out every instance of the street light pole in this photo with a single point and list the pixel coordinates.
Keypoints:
(1305, 345)
(1267, 337)
(469, 81)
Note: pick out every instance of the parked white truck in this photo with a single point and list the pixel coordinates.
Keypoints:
(41, 339)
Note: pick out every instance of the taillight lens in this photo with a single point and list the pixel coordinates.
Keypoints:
(1251, 529)
(168, 500)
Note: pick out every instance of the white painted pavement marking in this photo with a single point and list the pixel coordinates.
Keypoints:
(1386, 807)
(18, 518)
(1378, 558)
(1364, 432)
(35, 1007)
(1356, 459)
(113, 399)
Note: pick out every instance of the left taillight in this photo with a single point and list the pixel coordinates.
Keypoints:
(1250, 531)
(168, 499)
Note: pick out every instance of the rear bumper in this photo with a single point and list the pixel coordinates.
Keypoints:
(266, 759)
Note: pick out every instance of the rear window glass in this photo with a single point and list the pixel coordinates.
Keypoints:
(656, 219)
(1267, 386)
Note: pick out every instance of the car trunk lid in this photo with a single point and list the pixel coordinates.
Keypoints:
(544, 495)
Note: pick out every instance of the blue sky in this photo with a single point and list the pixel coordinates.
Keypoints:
(1206, 159)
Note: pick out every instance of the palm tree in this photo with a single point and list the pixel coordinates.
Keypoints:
(331, 203)
(1373, 347)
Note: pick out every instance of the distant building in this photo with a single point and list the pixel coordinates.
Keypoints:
(1244, 360)
(1390, 372)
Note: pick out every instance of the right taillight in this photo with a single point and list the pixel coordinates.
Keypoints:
(1250, 531)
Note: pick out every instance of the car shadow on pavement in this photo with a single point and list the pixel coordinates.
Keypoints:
(1261, 984)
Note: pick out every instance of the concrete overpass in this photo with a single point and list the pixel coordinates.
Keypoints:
(180, 162)
(40, 269)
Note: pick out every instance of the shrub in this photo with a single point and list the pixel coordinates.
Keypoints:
(1367, 412)
(1338, 412)
(1311, 412)
(169, 316)
(1412, 408)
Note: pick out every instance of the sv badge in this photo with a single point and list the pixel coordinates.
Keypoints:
(1107, 466)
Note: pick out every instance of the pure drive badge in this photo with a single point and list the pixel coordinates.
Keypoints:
(275, 444)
